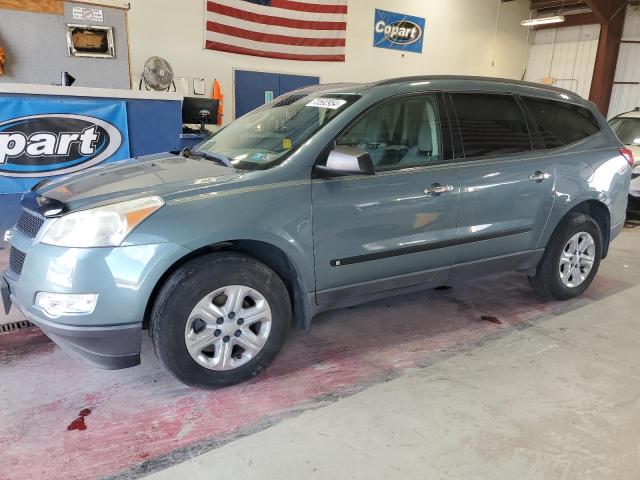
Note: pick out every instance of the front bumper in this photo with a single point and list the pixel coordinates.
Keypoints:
(111, 348)
(124, 279)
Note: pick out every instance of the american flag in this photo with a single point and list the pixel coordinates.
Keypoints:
(289, 29)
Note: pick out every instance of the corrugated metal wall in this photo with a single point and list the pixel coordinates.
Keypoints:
(567, 55)
(626, 89)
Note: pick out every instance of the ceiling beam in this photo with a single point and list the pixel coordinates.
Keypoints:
(556, 6)
(575, 20)
(606, 9)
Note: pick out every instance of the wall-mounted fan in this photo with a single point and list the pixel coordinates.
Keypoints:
(157, 75)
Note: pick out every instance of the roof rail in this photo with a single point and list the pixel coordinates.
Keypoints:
(508, 81)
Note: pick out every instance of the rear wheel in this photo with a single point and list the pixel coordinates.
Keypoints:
(571, 259)
(220, 319)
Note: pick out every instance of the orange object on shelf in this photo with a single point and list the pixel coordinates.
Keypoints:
(2, 59)
(217, 95)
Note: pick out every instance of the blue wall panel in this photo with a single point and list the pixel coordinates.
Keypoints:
(154, 126)
(293, 82)
(250, 87)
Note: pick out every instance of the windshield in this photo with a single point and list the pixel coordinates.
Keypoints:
(627, 130)
(264, 137)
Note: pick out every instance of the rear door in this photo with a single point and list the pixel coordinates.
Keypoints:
(507, 187)
(389, 230)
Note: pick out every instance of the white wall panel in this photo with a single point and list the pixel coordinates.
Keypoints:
(632, 24)
(628, 69)
(625, 97)
(567, 55)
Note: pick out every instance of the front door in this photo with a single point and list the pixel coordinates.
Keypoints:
(393, 229)
(507, 187)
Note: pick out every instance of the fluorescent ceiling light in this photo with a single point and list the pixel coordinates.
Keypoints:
(542, 21)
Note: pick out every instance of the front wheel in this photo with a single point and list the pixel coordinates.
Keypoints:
(220, 319)
(571, 259)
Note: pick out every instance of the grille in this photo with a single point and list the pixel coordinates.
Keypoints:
(16, 260)
(10, 327)
(29, 223)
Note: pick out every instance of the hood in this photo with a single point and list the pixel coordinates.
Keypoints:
(150, 175)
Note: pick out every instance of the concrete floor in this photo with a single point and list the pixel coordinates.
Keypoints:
(480, 381)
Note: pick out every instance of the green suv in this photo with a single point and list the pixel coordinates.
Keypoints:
(326, 197)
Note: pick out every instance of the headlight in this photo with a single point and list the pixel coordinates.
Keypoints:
(100, 227)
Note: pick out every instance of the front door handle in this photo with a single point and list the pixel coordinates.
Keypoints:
(437, 189)
(539, 176)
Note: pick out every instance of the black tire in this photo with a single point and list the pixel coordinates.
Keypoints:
(191, 283)
(547, 282)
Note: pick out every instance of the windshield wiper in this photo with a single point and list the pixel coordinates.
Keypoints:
(218, 158)
(186, 152)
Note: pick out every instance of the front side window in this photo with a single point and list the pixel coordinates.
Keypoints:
(491, 124)
(627, 130)
(561, 123)
(262, 138)
(399, 134)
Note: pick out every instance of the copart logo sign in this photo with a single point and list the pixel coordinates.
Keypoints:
(397, 31)
(54, 144)
(403, 32)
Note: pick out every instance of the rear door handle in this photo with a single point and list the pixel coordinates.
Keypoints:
(437, 189)
(539, 176)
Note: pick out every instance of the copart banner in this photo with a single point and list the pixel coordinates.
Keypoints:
(43, 138)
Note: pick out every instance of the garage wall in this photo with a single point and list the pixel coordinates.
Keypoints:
(626, 89)
(459, 39)
(567, 55)
(36, 48)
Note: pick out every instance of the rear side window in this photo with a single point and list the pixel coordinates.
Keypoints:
(491, 124)
(561, 123)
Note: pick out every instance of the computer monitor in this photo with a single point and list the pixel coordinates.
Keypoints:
(200, 110)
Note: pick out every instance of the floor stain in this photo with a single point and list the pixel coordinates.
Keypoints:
(491, 319)
(79, 423)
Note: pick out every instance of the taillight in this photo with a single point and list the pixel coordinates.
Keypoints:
(628, 155)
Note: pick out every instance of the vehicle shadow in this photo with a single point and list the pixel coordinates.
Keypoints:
(415, 329)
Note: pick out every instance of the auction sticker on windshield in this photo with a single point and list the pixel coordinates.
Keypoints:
(331, 103)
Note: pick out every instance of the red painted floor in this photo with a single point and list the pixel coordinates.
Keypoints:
(61, 419)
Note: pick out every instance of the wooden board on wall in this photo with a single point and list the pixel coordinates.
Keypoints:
(39, 6)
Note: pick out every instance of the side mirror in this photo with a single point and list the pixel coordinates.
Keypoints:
(345, 160)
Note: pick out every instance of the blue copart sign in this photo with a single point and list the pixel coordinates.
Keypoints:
(45, 138)
(398, 31)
